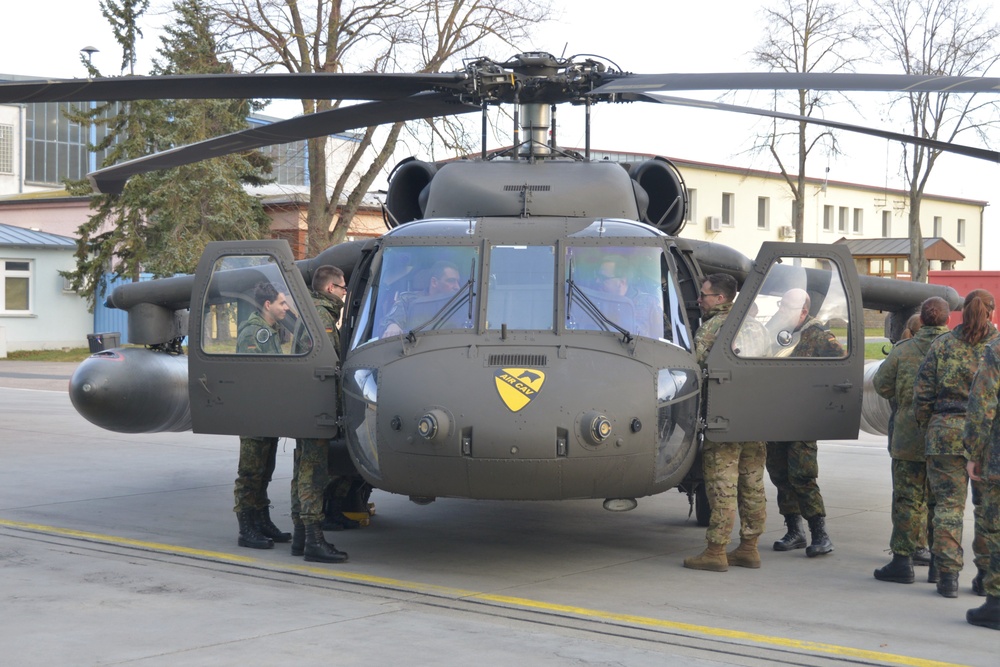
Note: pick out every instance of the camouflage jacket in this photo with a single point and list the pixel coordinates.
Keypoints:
(982, 428)
(894, 380)
(258, 337)
(704, 337)
(815, 340)
(941, 391)
(328, 307)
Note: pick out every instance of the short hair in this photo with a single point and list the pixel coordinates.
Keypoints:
(264, 292)
(934, 312)
(325, 275)
(439, 267)
(724, 284)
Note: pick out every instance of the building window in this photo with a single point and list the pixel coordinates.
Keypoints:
(842, 218)
(14, 288)
(886, 224)
(728, 208)
(6, 149)
(858, 220)
(937, 226)
(960, 236)
(763, 212)
(692, 212)
(827, 218)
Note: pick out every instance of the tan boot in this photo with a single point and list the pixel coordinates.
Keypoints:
(713, 559)
(745, 555)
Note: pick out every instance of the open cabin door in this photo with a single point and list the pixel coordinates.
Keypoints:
(258, 369)
(788, 363)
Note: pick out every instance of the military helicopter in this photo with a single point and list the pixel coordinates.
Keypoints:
(558, 363)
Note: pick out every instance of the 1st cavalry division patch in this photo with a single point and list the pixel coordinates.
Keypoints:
(518, 386)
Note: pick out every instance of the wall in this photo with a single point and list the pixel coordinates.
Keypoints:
(964, 282)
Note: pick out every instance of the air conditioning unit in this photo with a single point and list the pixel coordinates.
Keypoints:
(786, 232)
(67, 284)
(713, 223)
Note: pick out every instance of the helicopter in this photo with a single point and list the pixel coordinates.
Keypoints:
(561, 365)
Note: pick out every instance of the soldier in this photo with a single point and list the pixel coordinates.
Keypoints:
(793, 466)
(259, 334)
(444, 280)
(940, 396)
(733, 471)
(311, 459)
(894, 380)
(982, 442)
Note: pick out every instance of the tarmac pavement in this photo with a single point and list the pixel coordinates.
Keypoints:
(121, 549)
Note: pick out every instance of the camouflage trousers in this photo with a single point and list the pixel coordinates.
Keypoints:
(949, 486)
(910, 522)
(310, 476)
(253, 473)
(793, 468)
(734, 479)
(990, 530)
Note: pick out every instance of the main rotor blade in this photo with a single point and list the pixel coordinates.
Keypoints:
(969, 151)
(426, 105)
(314, 86)
(843, 81)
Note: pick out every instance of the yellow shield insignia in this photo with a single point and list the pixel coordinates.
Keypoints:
(518, 386)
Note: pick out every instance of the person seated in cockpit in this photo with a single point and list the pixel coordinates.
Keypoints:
(648, 312)
(444, 281)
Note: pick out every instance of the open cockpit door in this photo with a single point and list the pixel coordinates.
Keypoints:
(788, 363)
(260, 363)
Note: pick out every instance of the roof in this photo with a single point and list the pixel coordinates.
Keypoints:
(19, 237)
(934, 248)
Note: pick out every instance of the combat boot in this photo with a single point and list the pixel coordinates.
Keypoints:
(899, 570)
(267, 528)
(712, 559)
(745, 555)
(316, 548)
(922, 556)
(821, 543)
(250, 537)
(988, 615)
(932, 572)
(298, 538)
(794, 538)
(947, 585)
(977, 584)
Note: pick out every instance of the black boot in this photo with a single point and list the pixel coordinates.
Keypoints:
(794, 538)
(988, 616)
(977, 584)
(899, 570)
(932, 572)
(268, 529)
(821, 543)
(922, 556)
(250, 536)
(947, 585)
(298, 538)
(317, 550)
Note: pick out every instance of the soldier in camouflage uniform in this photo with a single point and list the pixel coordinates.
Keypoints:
(310, 474)
(982, 442)
(733, 471)
(894, 380)
(940, 396)
(794, 466)
(259, 334)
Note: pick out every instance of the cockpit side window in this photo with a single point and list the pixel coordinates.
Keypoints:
(799, 312)
(249, 309)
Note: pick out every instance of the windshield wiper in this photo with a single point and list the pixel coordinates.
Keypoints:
(591, 308)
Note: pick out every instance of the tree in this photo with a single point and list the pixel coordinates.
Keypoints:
(809, 36)
(378, 36)
(161, 221)
(940, 37)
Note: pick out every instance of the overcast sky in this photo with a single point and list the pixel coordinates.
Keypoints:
(638, 35)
